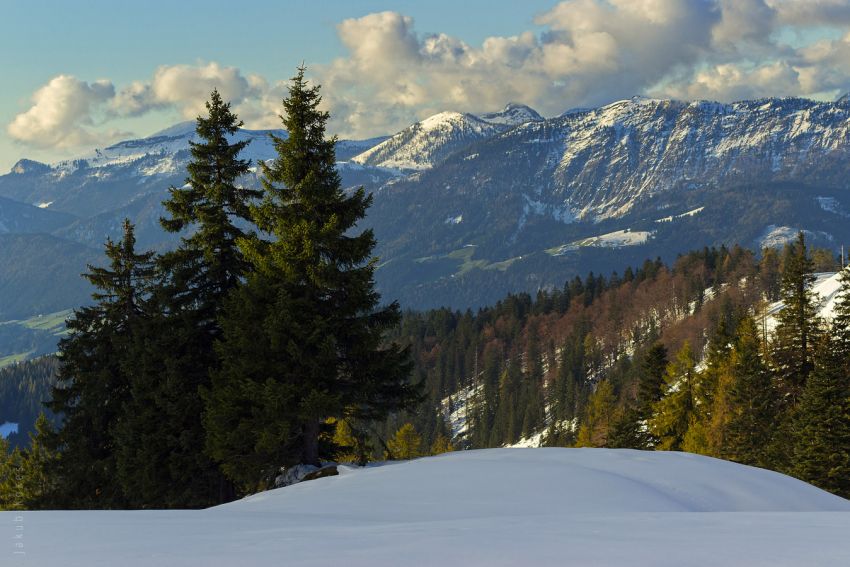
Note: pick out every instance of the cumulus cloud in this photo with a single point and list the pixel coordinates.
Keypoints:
(68, 113)
(186, 88)
(61, 115)
(584, 53)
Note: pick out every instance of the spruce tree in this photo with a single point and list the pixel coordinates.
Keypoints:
(303, 339)
(840, 326)
(753, 401)
(93, 387)
(652, 367)
(822, 425)
(162, 462)
(38, 462)
(798, 322)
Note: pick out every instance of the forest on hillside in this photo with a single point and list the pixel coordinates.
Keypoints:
(661, 357)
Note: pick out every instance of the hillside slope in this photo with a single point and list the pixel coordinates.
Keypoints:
(494, 507)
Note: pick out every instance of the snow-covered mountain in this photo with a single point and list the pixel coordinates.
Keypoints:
(117, 176)
(425, 144)
(599, 163)
(469, 207)
(491, 507)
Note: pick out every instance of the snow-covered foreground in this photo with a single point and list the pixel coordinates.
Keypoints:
(495, 507)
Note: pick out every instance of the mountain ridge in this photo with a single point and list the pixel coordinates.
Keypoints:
(510, 201)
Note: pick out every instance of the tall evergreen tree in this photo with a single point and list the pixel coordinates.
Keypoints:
(652, 367)
(753, 401)
(798, 322)
(822, 425)
(702, 429)
(303, 339)
(38, 482)
(93, 387)
(630, 428)
(840, 327)
(162, 462)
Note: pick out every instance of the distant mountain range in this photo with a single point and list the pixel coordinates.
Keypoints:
(469, 207)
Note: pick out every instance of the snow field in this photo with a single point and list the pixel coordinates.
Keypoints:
(489, 507)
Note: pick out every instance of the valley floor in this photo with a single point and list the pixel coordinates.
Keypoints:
(494, 507)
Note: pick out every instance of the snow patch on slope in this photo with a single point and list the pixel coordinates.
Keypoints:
(777, 236)
(683, 215)
(831, 205)
(616, 239)
(825, 288)
(456, 410)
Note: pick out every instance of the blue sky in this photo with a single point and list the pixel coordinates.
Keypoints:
(79, 75)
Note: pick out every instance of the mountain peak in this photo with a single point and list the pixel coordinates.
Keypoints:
(25, 166)
(513, 114)
(439, 119)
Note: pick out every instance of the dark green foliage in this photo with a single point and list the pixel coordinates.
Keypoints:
(798, 324)
(753, 402)
(38, 483)
(822, 424)
(162, 462)
(630, 429)
(652, 367)
(840, 329)
(93, 386)
(309, 310)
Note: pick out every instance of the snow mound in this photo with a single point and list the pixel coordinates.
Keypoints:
(507, 482)
(492, 507)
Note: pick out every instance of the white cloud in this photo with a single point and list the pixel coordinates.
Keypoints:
(61, 115)
(186, 88)
(586, 52)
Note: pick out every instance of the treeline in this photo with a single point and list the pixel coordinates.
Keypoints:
(199, 372)
(657, 358)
